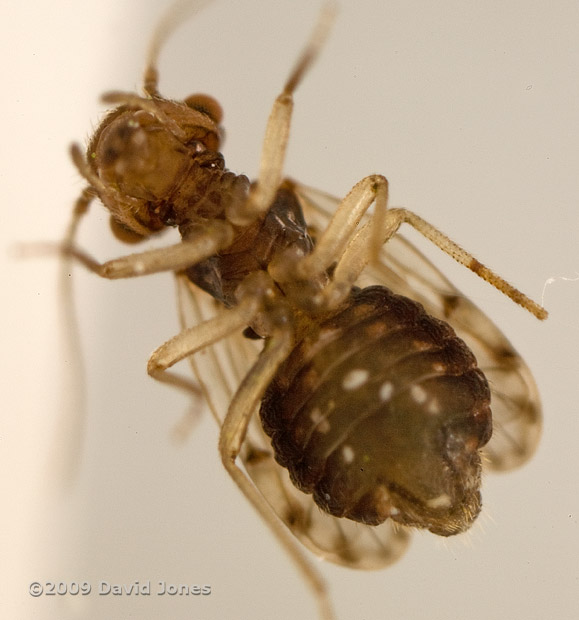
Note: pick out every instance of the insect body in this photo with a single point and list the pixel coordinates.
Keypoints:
(376, 408)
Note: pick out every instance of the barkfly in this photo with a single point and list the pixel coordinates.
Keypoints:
(372, 377)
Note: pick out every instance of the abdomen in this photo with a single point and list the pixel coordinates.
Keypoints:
(381, 413)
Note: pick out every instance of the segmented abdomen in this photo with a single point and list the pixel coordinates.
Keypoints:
(381, 413)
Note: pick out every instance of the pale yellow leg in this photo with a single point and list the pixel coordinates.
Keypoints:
(277, 132)
(196, 338)
(232, 435)
(171, 258)
(357, 254)
(256, 292)
(177, 13)
(334, 240)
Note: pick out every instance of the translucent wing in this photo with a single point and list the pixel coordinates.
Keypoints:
(219, 370)
(515, 399)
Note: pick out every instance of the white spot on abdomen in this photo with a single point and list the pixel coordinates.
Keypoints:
(418, 393)
(355, 379)
(433, 406)
(320, 422)
(348, 454)
(441, 501)
(386, 391)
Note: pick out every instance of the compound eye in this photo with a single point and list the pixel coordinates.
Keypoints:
(206, 105)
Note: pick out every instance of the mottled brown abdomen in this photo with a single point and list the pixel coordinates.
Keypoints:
(382, 413)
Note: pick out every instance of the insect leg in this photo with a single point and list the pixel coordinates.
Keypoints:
(256, 293)
(277, 131)
(357, 255)
(196, 338)
(340, 230)
(231, 439)
(216, 235)
(177, 13)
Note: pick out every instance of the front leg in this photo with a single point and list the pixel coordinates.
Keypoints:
(215, 236)
(277, 131)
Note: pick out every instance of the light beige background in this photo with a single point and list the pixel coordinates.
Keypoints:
(470, 109)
